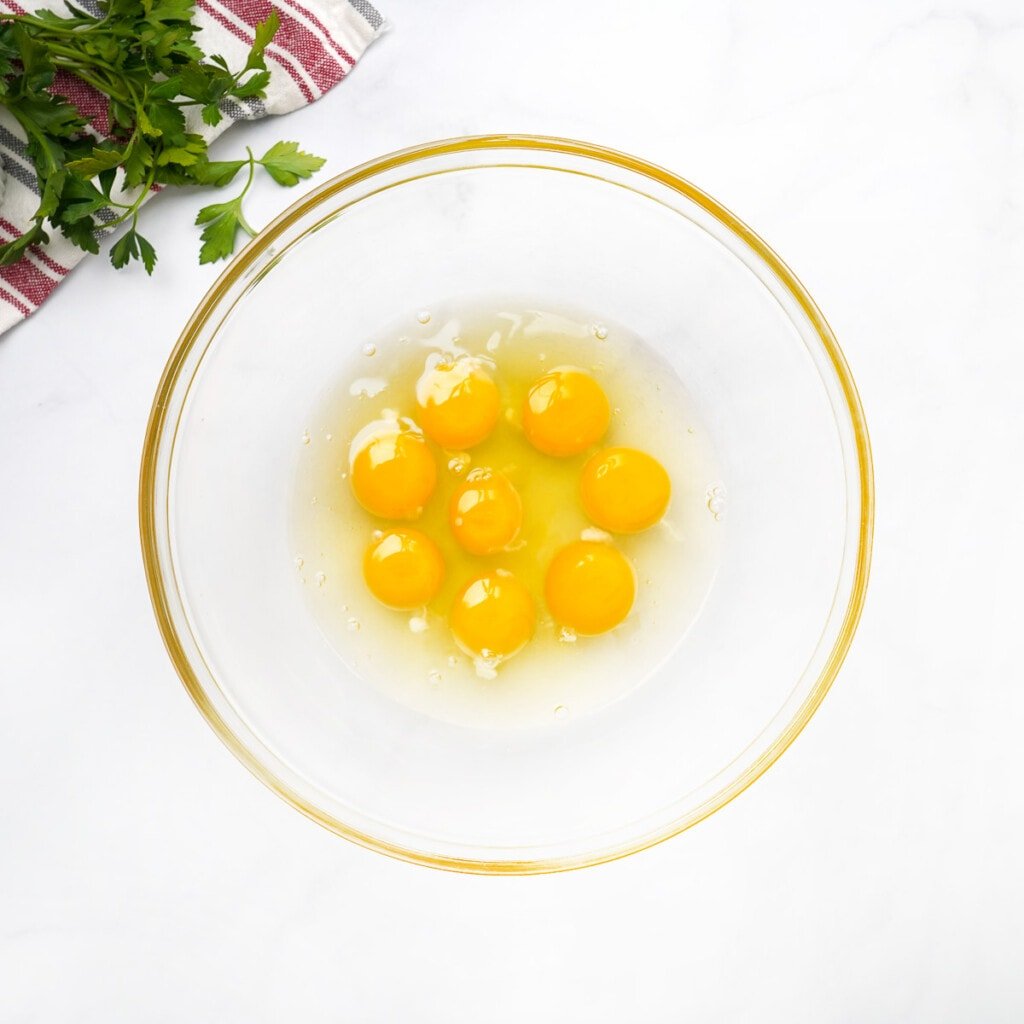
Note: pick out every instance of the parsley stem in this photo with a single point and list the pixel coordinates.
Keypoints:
(132, 210)
(50, 27)
(80, 58)
(81, 71)
(242, 222)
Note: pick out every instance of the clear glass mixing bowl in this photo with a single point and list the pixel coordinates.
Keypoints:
(565, 223)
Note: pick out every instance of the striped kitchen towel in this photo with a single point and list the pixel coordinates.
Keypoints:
(318, 43)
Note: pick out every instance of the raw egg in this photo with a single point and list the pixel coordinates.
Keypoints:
(565, 412)
(403, 569)
(493, 616)
(458, 402)
(589, 587)
(624, 490)
(392, 469)
(486, 512)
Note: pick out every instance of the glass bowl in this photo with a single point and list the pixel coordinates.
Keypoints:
(561, 222)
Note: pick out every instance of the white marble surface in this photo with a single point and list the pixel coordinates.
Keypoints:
(872, 876)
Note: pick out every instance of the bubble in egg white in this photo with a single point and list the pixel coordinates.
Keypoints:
(367, 387)
(716, 500)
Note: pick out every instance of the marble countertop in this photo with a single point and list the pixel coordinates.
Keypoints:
(872, 875)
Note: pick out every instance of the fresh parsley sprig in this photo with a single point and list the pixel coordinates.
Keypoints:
(284, 162)
(141, 55)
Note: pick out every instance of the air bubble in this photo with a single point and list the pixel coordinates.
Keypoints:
(423, 316)
(377, 535)
(600, 332)
(567, 635)
(367, 387)
(299, 561)
(418, 624)
(305, 437)
(321, 579)
(313, 500)
(369, 349)
(434, 676)
(459, 463)
(453, 660)
(329, 437)
(354, 625)
(716, 500)
(561, 711)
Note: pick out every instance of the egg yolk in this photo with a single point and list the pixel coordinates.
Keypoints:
(403, 569)
(392, 470)
(485, 513)
(624, 490)
(565, 412)
(589, 587)
(493, 616)
(459, 403)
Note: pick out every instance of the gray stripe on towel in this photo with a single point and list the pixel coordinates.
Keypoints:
(369, 12)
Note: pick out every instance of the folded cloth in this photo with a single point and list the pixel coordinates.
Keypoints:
(318, 43)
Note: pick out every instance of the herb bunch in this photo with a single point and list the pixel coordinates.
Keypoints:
(141, 55)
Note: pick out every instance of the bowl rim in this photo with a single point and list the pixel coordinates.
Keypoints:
(256, 249)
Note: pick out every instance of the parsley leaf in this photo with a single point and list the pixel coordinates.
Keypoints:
(287, 164)
(223, 221)
(265, 31)
(100, 160)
